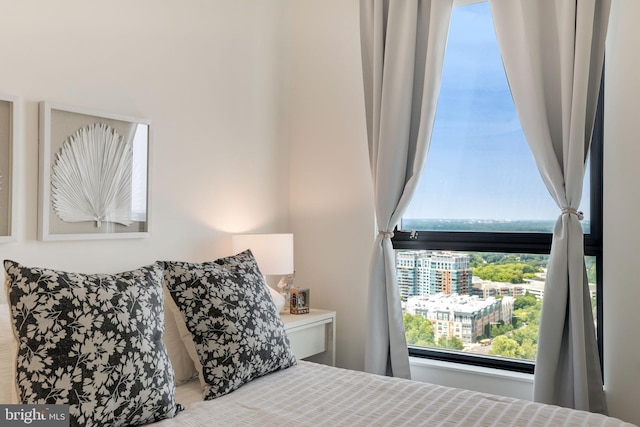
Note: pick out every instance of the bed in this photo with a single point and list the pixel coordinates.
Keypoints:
(311, 394)
(202, 344)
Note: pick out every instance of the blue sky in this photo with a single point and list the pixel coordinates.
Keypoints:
(479, 164)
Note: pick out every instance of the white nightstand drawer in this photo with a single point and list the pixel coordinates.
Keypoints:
(309, 341)
(312, 335)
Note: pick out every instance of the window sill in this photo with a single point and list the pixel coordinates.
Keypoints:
(479, 378)
(475, 370)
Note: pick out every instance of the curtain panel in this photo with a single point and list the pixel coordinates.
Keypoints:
(403, 44)
(553, 53)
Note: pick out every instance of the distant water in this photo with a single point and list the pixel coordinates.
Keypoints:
(486, 225)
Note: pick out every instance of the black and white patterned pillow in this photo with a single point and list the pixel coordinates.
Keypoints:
(234, 326)
(93, 341)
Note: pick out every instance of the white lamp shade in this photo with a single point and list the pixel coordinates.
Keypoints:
(273, 252)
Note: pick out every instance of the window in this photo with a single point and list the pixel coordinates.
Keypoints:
(471, 264)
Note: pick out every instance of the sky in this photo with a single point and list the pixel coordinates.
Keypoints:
(479, 165)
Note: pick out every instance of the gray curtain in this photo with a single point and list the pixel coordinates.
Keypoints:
(403, 45)
(553, 53)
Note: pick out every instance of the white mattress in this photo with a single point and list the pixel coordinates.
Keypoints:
(310, 394)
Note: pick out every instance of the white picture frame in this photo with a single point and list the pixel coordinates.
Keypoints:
(94, 174)
(8, 131)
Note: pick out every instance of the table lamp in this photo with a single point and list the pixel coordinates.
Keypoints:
(274, 255)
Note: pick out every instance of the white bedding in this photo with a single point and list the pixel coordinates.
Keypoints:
(310, 394)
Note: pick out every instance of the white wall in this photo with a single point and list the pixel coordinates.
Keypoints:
(331, 200)
(210, 77)
(621, 206)
(332, 203)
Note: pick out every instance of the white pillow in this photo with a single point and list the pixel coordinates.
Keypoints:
(183, 366)
(8, 351)
(278, 299)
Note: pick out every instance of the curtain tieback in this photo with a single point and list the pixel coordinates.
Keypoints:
(572, 211)
(388, 234)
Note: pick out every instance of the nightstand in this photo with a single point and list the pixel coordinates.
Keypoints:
(312, 335)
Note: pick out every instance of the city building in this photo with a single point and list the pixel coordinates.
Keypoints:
(449, 273)
(428, 273)
(507, 308)
(411, 273)
(536, 288)
(463, 316)
(485, 288)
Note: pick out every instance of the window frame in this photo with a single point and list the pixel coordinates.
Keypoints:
(534, 243)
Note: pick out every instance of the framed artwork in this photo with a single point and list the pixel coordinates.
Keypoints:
(8, 127)
(94, 175)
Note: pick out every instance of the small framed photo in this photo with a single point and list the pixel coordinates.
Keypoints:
(8, 128)
(299, 301)
(94, 174)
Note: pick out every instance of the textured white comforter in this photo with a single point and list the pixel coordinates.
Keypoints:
(310, 394)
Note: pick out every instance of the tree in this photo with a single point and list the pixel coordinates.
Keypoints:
(452, 343)
(590, 264)
(512, 272)
(418, 330)
(526, 300)
(500, 329)
(505, 346)
(521, 342)
(528, 351)
(528, 334)
(538, 262)
(529, 314)
(527, 339)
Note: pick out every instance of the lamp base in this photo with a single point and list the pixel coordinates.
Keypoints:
(284, 285)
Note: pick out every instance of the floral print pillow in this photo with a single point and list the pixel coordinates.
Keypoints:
(93, 342)
(234, 325)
